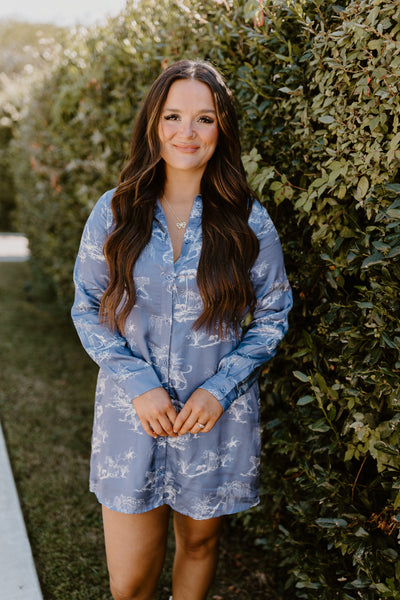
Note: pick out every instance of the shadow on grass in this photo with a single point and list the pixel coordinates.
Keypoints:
(47, 387)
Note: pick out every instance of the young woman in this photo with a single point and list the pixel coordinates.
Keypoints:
(171, 262)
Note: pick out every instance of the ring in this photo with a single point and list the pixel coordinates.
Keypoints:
(200, 424)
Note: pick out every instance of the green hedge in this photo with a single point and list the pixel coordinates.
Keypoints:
(7, 188)
(26, 50)
(317, 90)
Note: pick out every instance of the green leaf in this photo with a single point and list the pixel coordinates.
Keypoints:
(374, 259)
(321, 425)
(305, 400)
(365, 304)
(382, 588)
(393, 187)
(394, 213)
(326, 119)
(394, 252)
(301, 376)
(393, 146)
(276, 185)
(308, 585)
(361, 532)
(285, 90)
(331, 523)
(373, 123)
(362, 187)
(390, 554)
(386, 448)
(346, 232)
(388, 341)
(273, 423)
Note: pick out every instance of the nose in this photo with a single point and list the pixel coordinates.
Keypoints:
(187, 128)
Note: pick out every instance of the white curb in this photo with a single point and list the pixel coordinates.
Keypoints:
(13, 247)
(18, 578)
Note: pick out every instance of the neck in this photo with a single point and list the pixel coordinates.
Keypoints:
(181, 190)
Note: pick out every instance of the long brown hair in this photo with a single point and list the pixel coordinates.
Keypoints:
(229, 247)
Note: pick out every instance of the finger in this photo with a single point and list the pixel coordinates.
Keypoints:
(166, 425)
(172, 414)
(148, 429)
(157, 427)
(181, 418)
(209, 423)
(190, 422)
(197, 428)
(208, 426)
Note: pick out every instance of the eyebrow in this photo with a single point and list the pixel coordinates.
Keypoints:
(204, 110)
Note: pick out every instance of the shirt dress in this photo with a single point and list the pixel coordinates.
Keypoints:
(204, 475)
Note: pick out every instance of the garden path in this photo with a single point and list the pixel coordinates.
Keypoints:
(18, 576)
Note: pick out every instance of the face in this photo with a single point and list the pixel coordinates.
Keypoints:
(188, 128)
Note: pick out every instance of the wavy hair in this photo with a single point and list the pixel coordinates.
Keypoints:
(229, 247)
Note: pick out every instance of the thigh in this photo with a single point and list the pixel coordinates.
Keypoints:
(135, 546)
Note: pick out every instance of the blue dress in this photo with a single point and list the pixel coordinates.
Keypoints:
(203, 475)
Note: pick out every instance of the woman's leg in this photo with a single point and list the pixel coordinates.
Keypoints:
(196, 556)
(135, 548)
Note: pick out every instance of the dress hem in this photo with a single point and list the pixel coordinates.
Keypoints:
(240, 507)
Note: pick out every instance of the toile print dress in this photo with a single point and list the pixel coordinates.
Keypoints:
(204, 475)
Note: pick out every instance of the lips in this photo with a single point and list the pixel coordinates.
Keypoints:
(186, 148)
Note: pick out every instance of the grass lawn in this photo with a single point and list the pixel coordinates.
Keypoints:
(46, 401)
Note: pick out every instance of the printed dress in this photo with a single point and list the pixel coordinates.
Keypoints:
(203, 475)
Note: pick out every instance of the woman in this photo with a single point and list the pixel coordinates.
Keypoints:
(177, 410)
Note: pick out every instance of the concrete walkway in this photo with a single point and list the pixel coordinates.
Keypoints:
(18, 578)
(13, 247)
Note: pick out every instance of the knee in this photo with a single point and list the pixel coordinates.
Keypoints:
(198, 548)
(121, 590)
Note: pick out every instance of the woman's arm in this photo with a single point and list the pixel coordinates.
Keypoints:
(239, 369)
(108, 349)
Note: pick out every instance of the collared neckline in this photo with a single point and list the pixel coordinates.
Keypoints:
(194, 217)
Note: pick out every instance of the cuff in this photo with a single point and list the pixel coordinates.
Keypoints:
(140, 382)
(225, 391)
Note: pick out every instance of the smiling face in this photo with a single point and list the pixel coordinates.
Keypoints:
(188, 128)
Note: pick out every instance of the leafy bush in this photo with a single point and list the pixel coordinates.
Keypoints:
(317, 89)
(26, 50)
(335, 442)
(7, 192)
(74, 140)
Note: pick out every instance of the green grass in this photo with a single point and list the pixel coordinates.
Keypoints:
(47, 387)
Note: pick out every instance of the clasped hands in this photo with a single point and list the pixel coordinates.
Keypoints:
(159, 417)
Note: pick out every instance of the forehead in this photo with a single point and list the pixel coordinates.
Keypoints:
(189, 93)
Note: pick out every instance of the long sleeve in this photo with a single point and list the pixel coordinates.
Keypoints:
(239, 369)
(108, 349)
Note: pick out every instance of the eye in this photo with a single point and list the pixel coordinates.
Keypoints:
(207, 120)
(172, 117)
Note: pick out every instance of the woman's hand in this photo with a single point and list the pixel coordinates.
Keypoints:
(156, 412)
(202, 408)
